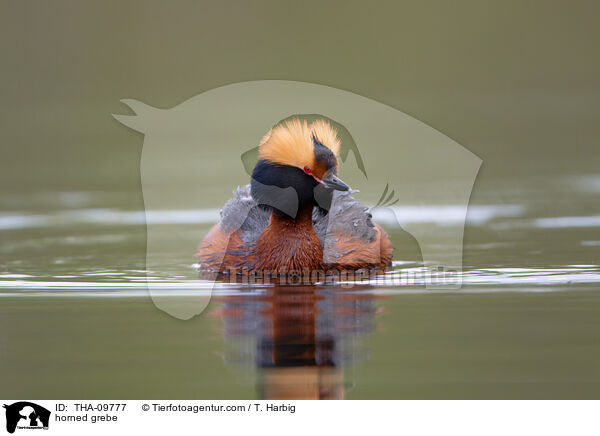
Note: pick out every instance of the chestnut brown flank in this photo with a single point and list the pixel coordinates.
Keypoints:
(290, 245)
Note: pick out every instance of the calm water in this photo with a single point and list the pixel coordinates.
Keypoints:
(77, 320)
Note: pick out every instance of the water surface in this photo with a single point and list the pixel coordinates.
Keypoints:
(77, 320)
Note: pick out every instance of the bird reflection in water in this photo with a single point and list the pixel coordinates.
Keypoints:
(302, 340)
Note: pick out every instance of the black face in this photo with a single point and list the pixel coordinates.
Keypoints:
(267, 175)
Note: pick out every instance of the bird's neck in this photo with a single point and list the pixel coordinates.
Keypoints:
(302, 220)
(290, 245)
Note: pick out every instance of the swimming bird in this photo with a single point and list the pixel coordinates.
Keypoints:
(296, 215)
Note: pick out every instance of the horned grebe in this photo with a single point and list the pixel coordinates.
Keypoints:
(296, 214)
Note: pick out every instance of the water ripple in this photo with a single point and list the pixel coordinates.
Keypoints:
(400, 280)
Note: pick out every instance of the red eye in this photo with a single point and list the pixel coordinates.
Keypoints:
(307, 170)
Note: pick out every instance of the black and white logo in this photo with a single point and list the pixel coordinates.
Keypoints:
(26, 415)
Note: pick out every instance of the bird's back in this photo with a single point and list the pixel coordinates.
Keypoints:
(347, 235)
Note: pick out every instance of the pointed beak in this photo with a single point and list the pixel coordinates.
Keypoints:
(334, 182)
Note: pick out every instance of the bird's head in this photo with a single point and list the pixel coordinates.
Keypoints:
(298, 155)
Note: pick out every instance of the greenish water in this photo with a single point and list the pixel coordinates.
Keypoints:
(497, 345)
(77, 320)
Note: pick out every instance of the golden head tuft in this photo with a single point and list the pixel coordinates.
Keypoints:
(291, 142)
(288, 143)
